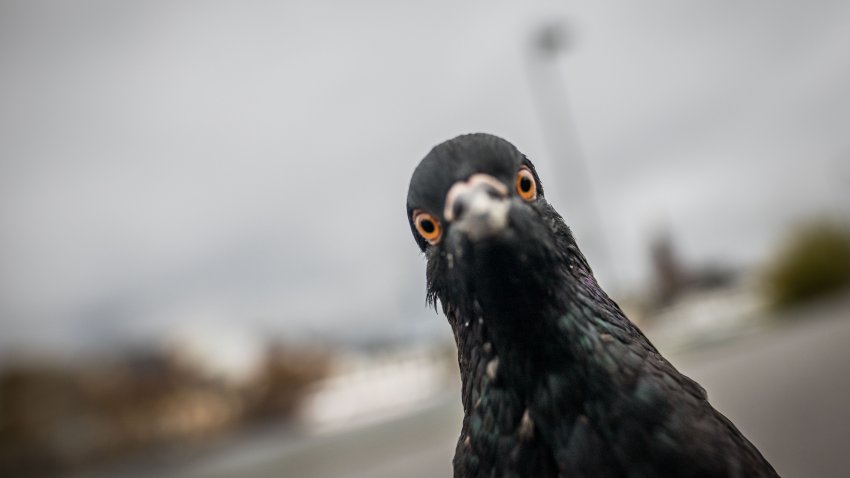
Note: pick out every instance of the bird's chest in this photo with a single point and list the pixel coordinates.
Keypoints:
(498, 431)
(526, 414)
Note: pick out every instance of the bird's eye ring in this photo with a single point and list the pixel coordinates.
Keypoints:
(526, 187)
(427, 226)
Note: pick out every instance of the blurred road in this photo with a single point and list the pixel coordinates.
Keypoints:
(418, 445)
(787, 388)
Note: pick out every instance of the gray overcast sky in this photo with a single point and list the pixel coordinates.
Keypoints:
(243, 166)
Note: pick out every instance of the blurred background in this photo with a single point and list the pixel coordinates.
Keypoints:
(206, 268)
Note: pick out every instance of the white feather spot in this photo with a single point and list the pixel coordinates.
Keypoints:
(492, 368)
(526, 426)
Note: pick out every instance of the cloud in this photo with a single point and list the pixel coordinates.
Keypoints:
(254, 159)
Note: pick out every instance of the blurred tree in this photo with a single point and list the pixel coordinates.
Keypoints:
(284, 379)
(814, 262)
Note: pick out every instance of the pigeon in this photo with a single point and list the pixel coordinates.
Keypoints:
(556, 380)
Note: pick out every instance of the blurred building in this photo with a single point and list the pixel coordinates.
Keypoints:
(369, 387)
(60, 416)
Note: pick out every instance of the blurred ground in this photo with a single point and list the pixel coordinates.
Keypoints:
(771, 384)
(787, 389)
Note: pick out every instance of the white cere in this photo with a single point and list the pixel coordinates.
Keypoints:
(491, 216)
(496, 211)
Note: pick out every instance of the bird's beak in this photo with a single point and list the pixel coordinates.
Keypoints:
(478, 207)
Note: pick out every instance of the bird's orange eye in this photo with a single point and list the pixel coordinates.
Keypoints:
(525, 185)
(428, 227)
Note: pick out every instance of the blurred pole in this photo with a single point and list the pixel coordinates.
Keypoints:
(548, 89)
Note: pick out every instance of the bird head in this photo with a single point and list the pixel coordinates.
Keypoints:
(494, 245)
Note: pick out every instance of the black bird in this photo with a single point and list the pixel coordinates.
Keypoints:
(556, 380)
